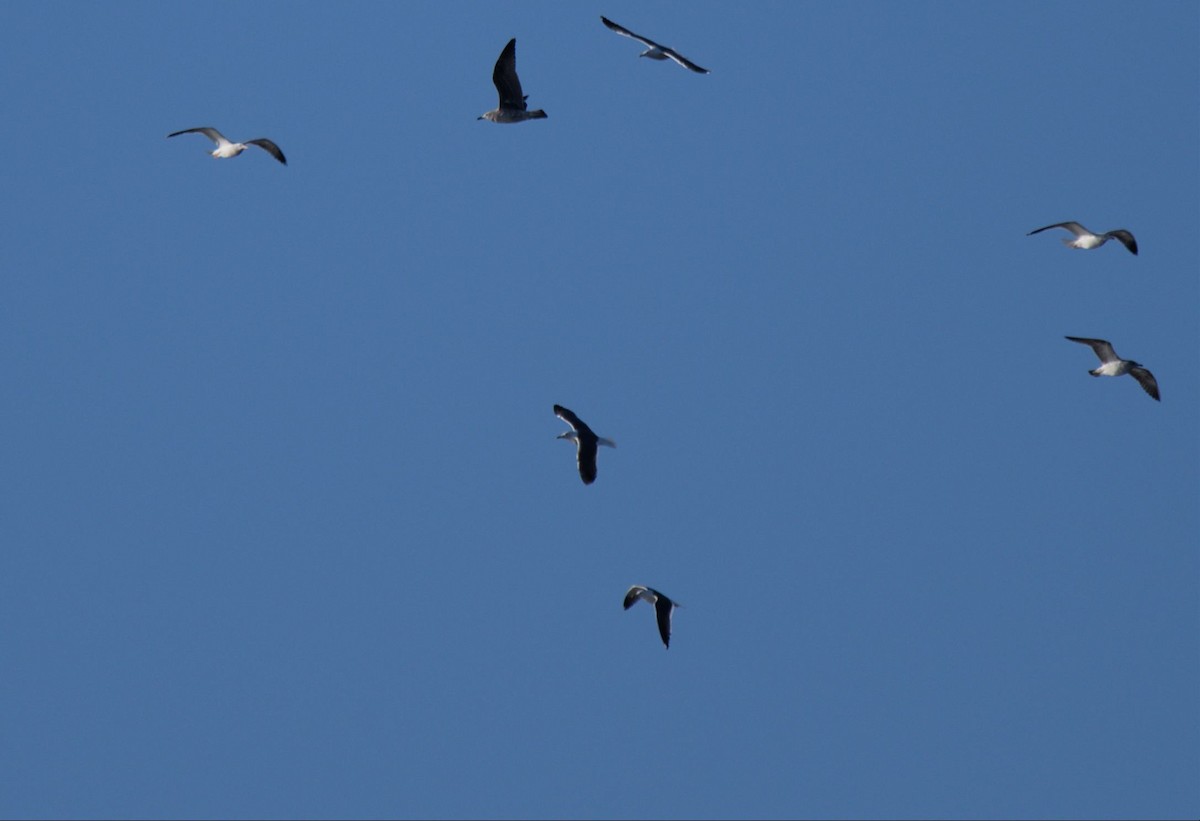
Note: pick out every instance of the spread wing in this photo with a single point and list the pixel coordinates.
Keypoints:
(571, 419)
(683, 61)
(662, 609)
(208, 131)
(1074, 227)
(619, 29)
(269, 147)
(585, 455)
(504, 75)
(634, 593)
(1102, 347)
(1125, 239)
(1146, 380)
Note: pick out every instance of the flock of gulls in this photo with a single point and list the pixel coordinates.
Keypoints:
(513, 108)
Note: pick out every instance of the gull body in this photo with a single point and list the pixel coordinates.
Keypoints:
(663, 608)
(512, 108)
(1086, 240)
(654, 51)
(586, 443)
(227, 148)
(1113, 365)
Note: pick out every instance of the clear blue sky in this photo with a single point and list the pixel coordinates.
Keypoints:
(285, 530)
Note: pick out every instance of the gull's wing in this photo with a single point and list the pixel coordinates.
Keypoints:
(619, 29)
(683, 61)
(1146, 380)
(504, 75)
(269, 147)
(571, 419)
(208, 131)
(633, 594)
(1125, 239)
(1072, 226)
(1103, 348)
(585, 455)
(662, 610)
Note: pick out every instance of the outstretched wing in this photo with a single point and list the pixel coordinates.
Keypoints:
(683, 61)
(269, 147)
(208, 131)
(662, 609)
(633, 594)
(1125, 239)
(1146, 380)
(1102, 347)
(504, 75)
(585, 455)
(1072, 226)
(619, 29)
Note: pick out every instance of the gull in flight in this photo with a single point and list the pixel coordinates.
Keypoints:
(226, 149)
(512, 107)
(585, 443)
(1085, 239)
(1113, 365)
(653, 50)
(662, 608)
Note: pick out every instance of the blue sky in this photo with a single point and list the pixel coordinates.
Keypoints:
(285, 527)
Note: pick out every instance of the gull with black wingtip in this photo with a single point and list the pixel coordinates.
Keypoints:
(653, 50)
(585, 441)
(663, 607)
(1113, 365)
(1086, 240)
(227, 148)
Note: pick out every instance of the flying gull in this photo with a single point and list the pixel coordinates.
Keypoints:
(1113, 365)
(512, 102)
(1085, 239)
(662, 608)
(654, 51)
(226, 149)
(585, 443)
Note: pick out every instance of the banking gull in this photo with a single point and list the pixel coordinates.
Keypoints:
(653, 50)
(1086, 240)
(662, 608)
(513, 108)
(1113, 365)
(585, 443)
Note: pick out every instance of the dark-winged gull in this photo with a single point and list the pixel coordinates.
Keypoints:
(662, 608)
(513, 108)
(1086, 240)
(226, 148)
(1113, 365)
(653, 50)
(585, 443)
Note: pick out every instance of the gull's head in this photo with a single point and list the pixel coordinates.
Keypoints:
(570, 436)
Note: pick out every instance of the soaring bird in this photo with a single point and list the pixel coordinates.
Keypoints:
(1085, 239)
(662, 608)
(585, 443)
(512, 107)
(1113, 365)
(653, 50)
(226, 149)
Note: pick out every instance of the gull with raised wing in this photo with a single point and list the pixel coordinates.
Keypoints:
(1113, 365)
(585, 443)
(663, 608)
(226, 148)
(653, 50)
(512, 108)
(1086, 240)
